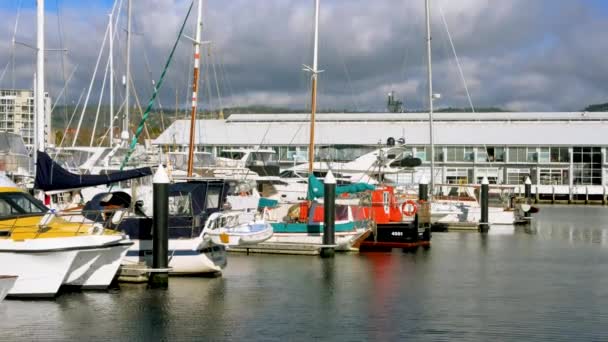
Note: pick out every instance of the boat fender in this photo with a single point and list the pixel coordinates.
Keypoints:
(409, 208)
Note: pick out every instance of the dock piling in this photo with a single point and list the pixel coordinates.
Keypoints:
(424, 221)
(329, 216)
(159, 278)
(484, 222)
(528, 193)
(423, 191)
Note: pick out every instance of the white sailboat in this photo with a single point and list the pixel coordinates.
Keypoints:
(297, 228)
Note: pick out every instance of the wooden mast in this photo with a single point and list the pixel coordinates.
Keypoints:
(313, 104)
(197, 49)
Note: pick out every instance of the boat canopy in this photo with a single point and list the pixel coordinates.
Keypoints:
(316, 188)
(51, 176)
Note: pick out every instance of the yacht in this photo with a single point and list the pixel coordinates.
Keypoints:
(190, 205)
(46, 251)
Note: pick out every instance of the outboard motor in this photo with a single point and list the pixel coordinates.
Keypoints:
(401, 141)
(390, 142)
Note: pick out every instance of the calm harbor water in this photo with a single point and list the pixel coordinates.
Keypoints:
(548, 281)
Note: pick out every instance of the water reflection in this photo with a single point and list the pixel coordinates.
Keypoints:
(575, 224)
(522, 283)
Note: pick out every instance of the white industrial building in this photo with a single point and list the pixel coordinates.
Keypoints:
(563, 153)
(17, 110)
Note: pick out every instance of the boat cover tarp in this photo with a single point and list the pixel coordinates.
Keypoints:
(267, 203)
(51, 176)
(316, 188)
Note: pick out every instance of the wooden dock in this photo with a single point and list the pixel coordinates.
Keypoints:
(280, 248)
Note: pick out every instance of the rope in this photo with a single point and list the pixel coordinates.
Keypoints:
(142, 123)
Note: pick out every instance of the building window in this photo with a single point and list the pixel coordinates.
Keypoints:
(517, 176)
(287, 153)
(587, 162)
(421, 153)
(554, 155)
(438, 152)
(490, 154)
(518, 155)
(545, 155)
(560, 155)
(554, 176)
(460, 154)
(532, 155)
(490, 172)
(457, 176)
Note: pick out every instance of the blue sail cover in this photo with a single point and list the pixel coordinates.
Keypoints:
(50, 176)
(316, 188)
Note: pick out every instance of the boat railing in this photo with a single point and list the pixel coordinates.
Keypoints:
(64, 223)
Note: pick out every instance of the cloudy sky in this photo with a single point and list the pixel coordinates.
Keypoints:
(542, 55)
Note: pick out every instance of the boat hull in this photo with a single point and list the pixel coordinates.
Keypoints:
(6, 283)
(186, 256)
(40, 275)
(306, 243)
(248, 234)
(43, 265)
(95, 269)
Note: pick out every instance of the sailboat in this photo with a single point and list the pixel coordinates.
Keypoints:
(298, 228)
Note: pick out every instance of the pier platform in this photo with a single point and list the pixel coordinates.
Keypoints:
(281, 248)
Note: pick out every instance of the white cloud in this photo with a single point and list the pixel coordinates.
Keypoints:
(525, 55)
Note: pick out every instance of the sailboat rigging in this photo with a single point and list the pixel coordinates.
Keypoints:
(197, 47)
(313, 105)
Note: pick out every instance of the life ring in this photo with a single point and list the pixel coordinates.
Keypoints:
(409, 208)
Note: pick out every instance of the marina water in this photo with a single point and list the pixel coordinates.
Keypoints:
(548, 281)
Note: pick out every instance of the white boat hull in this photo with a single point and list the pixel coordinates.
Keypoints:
(186, 256)
(39, 274)
(496, 216)
(246, 234)
(43, 265)
(6, 283)
(95, 269)
(344, 241)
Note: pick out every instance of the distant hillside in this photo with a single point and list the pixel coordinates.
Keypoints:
(602, 107)
(468, 110)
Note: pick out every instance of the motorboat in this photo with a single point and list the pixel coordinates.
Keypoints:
(227, 228)
(190, 205)
(46, 251)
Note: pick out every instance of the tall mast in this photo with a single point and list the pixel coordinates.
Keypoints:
(111, 57)
(430, 82)
(197, 48)
(40, 136)
(125, 124)
(313, 104)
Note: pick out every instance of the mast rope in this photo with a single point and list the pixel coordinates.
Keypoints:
(157, 86)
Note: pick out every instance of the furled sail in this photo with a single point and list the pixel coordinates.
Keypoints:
(51, 176)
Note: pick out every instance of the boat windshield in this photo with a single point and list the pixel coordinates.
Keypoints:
(19, 204)
(261, 158)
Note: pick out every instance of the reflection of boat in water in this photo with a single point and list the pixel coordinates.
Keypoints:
(6, 283)
(45, 251)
